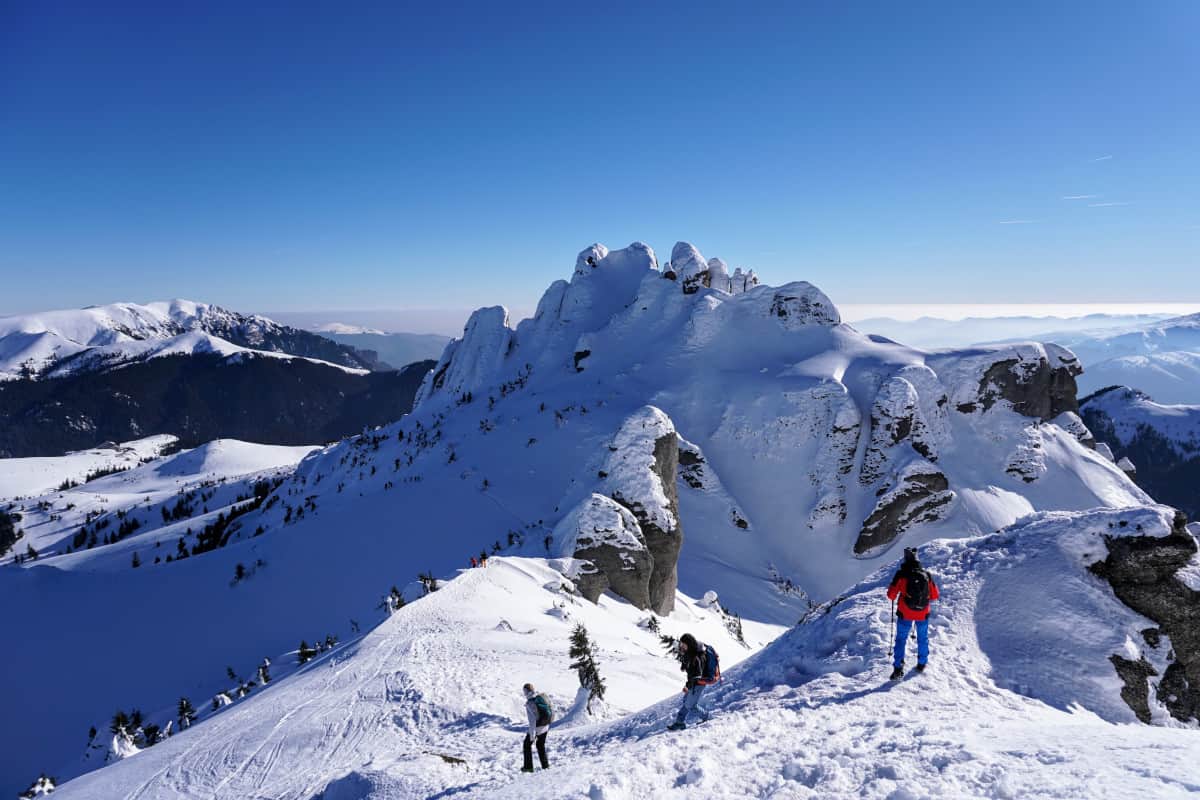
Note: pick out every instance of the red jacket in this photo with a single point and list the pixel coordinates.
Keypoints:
(896, 589)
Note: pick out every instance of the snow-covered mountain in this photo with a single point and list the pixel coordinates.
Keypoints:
(70, 380)
(646, 437)
(1161, 358)
(1161, 441)
(56, 343)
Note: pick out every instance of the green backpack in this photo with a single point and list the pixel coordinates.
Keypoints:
(545, 713)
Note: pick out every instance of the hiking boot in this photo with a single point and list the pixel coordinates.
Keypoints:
(526, 769)
(676, 726)
(897, 673)
(920, 667)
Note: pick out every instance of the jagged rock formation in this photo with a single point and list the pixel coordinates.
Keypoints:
(866, 424)
(1144, 573)
(608, 541)
(919, 496)
(630, 534)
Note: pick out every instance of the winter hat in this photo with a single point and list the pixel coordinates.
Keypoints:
(529, 690)
(910, 554)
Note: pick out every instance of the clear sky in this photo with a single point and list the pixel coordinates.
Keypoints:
(448, 155)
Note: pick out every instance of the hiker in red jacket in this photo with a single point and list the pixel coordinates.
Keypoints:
(915, 589)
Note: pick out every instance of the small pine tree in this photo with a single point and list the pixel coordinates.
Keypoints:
(652, 624)
(229, 673)
(264, 671)
(583, 661)
(305, 653)
(137, 562)
(30, 553)
(186, 712)
(239, 572)
(119, 723)
(670, 644)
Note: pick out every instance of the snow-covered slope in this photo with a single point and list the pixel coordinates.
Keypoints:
(781, 454)
(28, 477)
(1014, 705)
(56, 343)
(1160, 441)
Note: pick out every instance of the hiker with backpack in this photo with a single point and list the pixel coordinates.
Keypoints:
(540, 715)
(913, 589)
(703, 669)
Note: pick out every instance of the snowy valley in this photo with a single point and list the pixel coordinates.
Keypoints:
(658, 449)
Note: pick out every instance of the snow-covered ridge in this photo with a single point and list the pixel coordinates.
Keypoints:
(27, 477)
(1012, 706)
(1131, 410)
(54, 343)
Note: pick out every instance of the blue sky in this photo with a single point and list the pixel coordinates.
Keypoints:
(316, 156)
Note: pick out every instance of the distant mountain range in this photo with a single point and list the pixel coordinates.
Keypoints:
(391, 348)
(72, 379)
(936, 333)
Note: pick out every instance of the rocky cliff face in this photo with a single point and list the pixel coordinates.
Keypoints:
(628, 533)
(1145, 574)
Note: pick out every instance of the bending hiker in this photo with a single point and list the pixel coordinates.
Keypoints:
(474, 562)
(703, 669)
(540, 715)
(915, 589)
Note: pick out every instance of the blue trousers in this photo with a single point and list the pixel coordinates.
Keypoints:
(903, 626)
(691, 702)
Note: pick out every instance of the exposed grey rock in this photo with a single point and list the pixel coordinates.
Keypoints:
(1136, 677)
(1034, 387)
(628, 531)
(605, 536)
(921, 496)
(1141, 571)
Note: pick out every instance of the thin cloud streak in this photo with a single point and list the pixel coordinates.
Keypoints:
(1105, 205)
(1102, 158)
(1017, 221)
(1081, 196)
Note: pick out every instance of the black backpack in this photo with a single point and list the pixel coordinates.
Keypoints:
(916, 589)
(545, 714)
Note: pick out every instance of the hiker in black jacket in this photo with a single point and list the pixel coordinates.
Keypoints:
(692, 660)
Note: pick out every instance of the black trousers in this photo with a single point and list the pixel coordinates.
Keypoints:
(541, 748)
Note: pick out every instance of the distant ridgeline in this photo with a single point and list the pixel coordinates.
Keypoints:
(200, 398)
(1161, 441)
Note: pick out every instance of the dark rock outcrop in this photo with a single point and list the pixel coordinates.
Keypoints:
(606, 537)
(1037, 387)
(1136, 691)
(629, 532)
(921, 496)
(1141, 571)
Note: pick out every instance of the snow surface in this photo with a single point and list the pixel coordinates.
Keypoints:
(26, 477)
(1013, 706)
